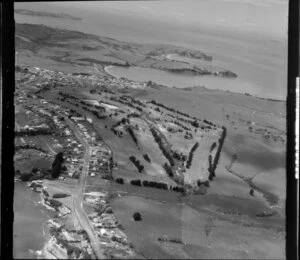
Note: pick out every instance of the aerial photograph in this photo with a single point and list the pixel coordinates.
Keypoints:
(150, 129)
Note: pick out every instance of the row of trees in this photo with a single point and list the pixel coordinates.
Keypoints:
(29, 146)
(152, 184)
(57, 165)
(133, 115)
(147, 158)
(132, 100)
(137, 163)
(161, 146)
(125, 102)
(34, 132)
(213, 146)
(190, 158)
(213, 165)
(193, 123)
(131, 133)
(179, 156)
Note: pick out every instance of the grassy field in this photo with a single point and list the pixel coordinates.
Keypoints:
(223, 222)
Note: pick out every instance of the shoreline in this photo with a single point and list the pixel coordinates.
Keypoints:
(107, 68)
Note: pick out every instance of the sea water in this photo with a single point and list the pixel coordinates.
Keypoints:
(259, 58)
(30, 231)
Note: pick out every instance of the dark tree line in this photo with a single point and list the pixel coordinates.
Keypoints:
(132, 100)
(161, 146)
(57, 165)
(168, 170)
(213, 146)
(136, 182)
(137, 163)
(133, 115)
(34, 132)
(125, 102)
(29, 146)
(190, 158)
(179, 156)
(132, 134)
(217, 156)
(151, 184)
(147, 158)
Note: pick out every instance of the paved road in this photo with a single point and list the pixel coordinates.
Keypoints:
(78, 199)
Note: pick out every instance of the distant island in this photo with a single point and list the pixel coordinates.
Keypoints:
(46, 14)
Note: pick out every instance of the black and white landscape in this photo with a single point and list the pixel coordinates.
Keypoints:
(150, 129)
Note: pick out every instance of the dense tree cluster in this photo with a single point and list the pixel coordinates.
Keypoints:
(188, 136)
(55, 203)
(133, 115)
(190, 158)
(29, 146)
(213, 146)
(178, 189)
(218, 153)
(34, 132)
(168, 170)
(193, 123)
(168, 108)
(119, 180)
(132, 100)
(181, 125)
(125, 102)
(159, 141)
(205, 183)
(136, 182)
(137, 216)
(117, 132)
(132, 134)
(123, 121)
(137, 163)
(60, 195)
(179, 156)
(154, 184)
(57, 165)
(147, 158)
(209, 123)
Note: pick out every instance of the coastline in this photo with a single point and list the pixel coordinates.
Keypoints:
(272, 99)
(107, 68)
(29, 222)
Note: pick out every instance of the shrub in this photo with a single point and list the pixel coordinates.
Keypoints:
(213, 146)
(147, 158)
(137, 216)
(168, 170)
(120, 180)
(55, 203)
(136, 163)
(26, 176)
(136, 182)
(190, 158)
(60, 195)
(34, 170)
(130, 131)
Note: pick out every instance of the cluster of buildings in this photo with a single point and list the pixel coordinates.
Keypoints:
(106, 226)
(55, 248)
(100, 154)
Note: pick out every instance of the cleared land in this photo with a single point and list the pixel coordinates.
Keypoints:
(221, 220)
